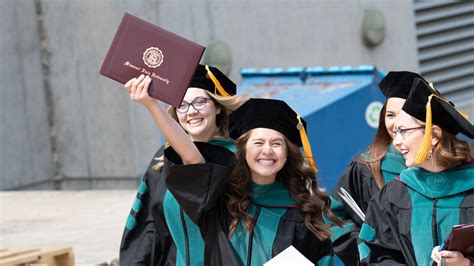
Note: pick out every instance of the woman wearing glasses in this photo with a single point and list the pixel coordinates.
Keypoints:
(415, 213)
(157, 230)
(369, 171)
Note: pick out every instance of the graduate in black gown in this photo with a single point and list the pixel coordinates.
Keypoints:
(369, 171)
(157, 231)
(270, 200)
(414, 213)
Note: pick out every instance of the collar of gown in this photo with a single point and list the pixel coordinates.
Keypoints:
(271, 195)
(441, 184)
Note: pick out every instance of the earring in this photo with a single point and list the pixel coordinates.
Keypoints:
(430, 153)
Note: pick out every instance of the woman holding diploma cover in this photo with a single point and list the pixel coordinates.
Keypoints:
(157, 231)
(367, 174)
(414, 214)
(267, 204)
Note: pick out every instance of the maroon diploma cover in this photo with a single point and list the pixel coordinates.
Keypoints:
(140, 47)
(461, 239)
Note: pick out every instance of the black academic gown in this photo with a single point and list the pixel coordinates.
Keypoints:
(359, 182)
(146, 239)
(203, 199)
(415, 213)
(158, 232)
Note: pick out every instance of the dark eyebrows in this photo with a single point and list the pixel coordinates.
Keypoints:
(272, 140)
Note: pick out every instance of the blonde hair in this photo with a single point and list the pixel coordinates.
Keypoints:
(227, 105)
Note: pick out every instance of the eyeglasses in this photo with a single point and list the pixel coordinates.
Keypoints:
(198, 104)
(403, 131)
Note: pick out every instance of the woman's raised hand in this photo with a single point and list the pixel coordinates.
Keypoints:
(174, 134)
(137, 88)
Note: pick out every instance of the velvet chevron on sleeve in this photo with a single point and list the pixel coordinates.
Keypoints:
(359, 182)
(144, 241)
(379, 242)
(158, 231)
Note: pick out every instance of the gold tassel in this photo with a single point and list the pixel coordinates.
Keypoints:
(463, 114)
(217, 84)
(306, 145)
(426, 142)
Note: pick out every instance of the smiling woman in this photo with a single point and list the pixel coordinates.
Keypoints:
(411, 216)
(269, 201)
(198, 114)
(372, 169)
(265, 154)
(157, 231)
(408, 137)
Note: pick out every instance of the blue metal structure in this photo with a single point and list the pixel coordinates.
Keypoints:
(340, 104)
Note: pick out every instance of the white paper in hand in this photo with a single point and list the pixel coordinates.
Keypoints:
(346, 197)
(290, 256)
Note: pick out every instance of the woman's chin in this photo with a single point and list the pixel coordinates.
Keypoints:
(196, 133)
(410, 163)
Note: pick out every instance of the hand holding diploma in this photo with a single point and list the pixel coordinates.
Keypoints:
(449, 258)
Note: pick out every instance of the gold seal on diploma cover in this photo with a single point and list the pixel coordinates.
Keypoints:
(153, 57)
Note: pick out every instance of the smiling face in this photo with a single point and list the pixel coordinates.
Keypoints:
(408, 142)
(266, 153)
(200, 124)
(394, 105)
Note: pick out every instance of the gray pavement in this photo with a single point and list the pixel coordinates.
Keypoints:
(91, 222)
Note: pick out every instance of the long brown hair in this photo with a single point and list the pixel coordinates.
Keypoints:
(295, 174)
(378, 149)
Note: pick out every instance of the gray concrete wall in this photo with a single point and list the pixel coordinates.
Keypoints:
(101, 133)
(295, 33)
(102, 139)
(25, 148)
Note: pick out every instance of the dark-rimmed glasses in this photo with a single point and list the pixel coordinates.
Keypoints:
(403, 131)
(198, 104)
